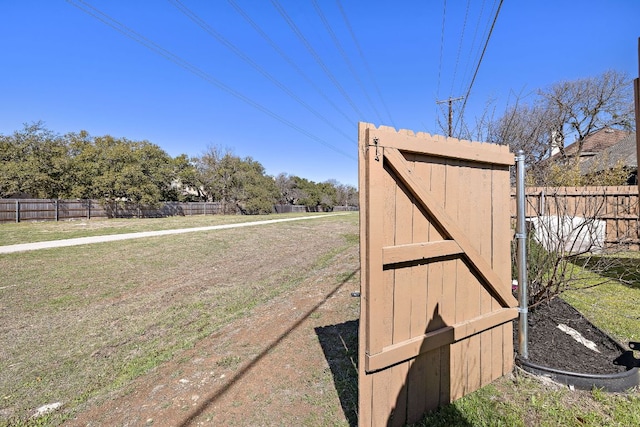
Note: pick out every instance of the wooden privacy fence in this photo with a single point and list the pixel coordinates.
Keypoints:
(436, 302)
(17, 210)
(617, 206)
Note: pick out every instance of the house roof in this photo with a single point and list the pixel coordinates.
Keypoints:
(597, 141)
(624, 151)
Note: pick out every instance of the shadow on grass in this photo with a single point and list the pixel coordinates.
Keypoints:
(445, 416)
(340, 346)
(626, 270)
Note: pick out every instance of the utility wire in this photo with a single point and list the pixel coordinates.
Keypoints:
(364, 60)
(473, 42)
(464, 27)
(444, 15)
(475, 74)
(292, 63)
(344, 55)
(484, 33)
(211, 31)
(315, 55)
(128, 32)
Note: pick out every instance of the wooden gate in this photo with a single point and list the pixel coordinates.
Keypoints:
(436, 302)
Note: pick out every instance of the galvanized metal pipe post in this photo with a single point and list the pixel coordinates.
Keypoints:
(521, 239)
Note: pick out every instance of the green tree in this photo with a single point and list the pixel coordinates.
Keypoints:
(256, 191)
(157, 167)
(238, 184)
(328, 195)
(207, 166)
(187, 188)
(118, 170)
(308, 193)
(83, 165)
(35, 162)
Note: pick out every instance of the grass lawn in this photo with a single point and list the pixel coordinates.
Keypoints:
(29, 232)
(80, 322)
(614, 306)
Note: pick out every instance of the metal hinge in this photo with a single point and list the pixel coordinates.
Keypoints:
(375, 142)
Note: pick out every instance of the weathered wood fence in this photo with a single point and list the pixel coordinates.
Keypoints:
(617, 206)
(18, 210)
(436, 304)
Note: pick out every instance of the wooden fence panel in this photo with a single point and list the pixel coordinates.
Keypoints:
(9, 210)
(436, 297)
(17, 210)
(617, 206)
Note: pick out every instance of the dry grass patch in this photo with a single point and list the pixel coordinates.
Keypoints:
(76, 322)
(29, 232)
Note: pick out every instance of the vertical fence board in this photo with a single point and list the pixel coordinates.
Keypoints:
(501, 347)
(388, 384)
(485, 245)
(365, 382)
(417, 388)
(436, 361)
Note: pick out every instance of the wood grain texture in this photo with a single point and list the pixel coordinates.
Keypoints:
(438, 301)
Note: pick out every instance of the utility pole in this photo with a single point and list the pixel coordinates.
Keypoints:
(450, 101)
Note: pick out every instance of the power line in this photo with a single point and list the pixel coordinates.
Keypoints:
(284, 56)
(473, 42)
(366, 64)
(344, 55)
(475, 74)
(444, 14)
(464, 27)
(315, 55)
(154, 47)
(211, 31)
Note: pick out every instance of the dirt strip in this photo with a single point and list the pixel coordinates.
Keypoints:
(291, 362)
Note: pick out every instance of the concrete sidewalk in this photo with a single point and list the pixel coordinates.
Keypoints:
(114, 237)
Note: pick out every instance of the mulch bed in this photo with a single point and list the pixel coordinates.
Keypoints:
(551, 347)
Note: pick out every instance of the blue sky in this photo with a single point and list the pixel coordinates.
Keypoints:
(65, 67)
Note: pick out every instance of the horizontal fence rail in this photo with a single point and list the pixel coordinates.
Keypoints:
(617, 206)
(18, 210)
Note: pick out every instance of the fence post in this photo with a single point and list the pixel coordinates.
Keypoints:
(17, 210)
(57, 210)
(521, 239)
(88, 209)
